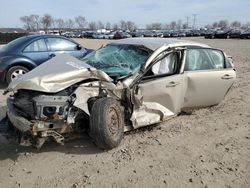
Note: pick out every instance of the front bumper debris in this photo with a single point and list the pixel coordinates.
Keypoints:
(35, 132)
(17, 121)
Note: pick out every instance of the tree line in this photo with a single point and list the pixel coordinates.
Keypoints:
(35, 22)
(180, 25)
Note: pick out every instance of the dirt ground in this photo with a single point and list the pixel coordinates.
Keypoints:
(209, 148)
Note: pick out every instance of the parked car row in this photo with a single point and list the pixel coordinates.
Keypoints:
(228, 33)
(122, 34)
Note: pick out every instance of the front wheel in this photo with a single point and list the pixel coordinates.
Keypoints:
(106, 123)
(15, 72)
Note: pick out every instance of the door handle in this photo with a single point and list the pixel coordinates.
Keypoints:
(227, 77)
(172, 84)
(52, 55)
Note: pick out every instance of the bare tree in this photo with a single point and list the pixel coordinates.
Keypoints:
(165, 26)
(70, 24)
(92, 26)
(131, 26)
(235, 24)
(154, 26)
(246, 25)
(46, 21)
(100, 25)
(59, 23)
(80, 21)
(108, 26)
(215, 24)
(26, 22)
(115, 26)
(173, 25)
(223, 24)
(123, 25)
(35, 19)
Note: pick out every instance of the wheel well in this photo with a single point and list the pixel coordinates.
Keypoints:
(14, 65)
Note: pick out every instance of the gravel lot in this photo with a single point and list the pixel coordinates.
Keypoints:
(209, 148)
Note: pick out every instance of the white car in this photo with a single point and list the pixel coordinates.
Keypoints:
(122, 86)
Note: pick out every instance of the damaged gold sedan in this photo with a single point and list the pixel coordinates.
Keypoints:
(122, 86)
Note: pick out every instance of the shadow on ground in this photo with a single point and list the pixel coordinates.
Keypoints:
(10, 149)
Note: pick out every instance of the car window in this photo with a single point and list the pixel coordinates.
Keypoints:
(204, 59)
(58, 44)
(166, 66)
(217, 58)
(36, 46)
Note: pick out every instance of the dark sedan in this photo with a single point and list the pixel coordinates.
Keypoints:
(223, 34)
(25, 53)
(235, 33)
(245, 34)
(122, 35)
(209, 34)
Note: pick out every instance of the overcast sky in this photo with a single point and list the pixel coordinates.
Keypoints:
(140, 11)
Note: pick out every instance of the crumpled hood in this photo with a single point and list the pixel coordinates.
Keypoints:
(57, 74)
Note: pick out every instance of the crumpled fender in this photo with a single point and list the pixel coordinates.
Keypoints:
(56, 75)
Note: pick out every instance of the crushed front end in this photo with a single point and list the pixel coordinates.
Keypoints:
(37, 117)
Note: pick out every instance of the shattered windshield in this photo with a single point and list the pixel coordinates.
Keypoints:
(118, 59)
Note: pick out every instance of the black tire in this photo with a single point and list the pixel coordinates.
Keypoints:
(106, 123)
(12, 70)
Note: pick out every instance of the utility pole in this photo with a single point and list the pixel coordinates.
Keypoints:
(187, 21)
(194, 20)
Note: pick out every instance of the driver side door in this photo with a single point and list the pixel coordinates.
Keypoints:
(164, 85)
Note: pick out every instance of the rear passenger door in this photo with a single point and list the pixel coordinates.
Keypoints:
(208, 77)
(37, 51)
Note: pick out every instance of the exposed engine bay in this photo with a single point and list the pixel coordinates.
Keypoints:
(49, 115)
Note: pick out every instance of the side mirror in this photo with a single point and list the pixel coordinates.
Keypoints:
(78, 47)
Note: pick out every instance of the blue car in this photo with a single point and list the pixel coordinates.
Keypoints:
(25, 53)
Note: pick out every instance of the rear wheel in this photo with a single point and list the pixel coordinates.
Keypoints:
(15, 72)
(106, 123)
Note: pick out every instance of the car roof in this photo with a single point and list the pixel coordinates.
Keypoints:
(154, 43)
